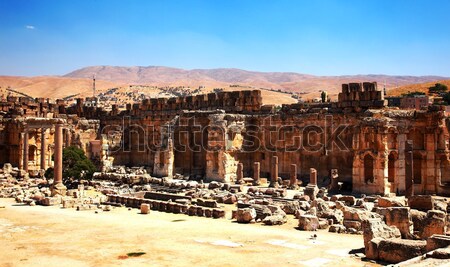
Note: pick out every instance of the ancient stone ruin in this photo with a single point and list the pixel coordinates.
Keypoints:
(352, 166)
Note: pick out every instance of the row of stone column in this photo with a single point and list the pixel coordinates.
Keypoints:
(58, 186)
(273, 173)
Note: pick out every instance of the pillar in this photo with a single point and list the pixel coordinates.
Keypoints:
(43, 148)
(240, 173)
(401, 171)
(409, 171)
(68, 137)
(312, 176)
(256, 173)
(274, 172)
(430, 174)
(58, 188)
(311, 189)
(293, 176)
(25, 151)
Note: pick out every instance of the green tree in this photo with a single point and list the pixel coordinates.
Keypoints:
(323, 96)
(75, 165)
(438, 88)
(446, 98)
(415, 93)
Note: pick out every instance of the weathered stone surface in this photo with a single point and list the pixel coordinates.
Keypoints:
(277, 219)
(440, 205)
(398, 250)
(246, 215)
(401, 218)
(437, 241)
(290, 207)
(421, 202)
(348, 200)
(337, 216)
(323, 223)
(337, 228)
(386, 202)
(68, 203)
(373, 228)
(354, 214)
(145, 208)
(51, 201)
(371, 249)
(434, 223)
(308, 222)
(230, 199)
(352, 224)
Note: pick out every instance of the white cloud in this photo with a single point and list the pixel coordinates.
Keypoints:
(30, 27)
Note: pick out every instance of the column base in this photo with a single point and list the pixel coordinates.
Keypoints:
(274, 184)
(58, 189)
(311, 191)
(293, 186)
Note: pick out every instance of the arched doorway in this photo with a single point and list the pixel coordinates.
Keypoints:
(368, 169)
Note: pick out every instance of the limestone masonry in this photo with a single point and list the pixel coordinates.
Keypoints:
(207, 136)
(353, 167)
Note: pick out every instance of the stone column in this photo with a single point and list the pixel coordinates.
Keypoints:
(312, 177)
(311, 189)
(430, 174)
(409, 170)
(240, 173)
(50, 162)
(401, 171)
(43, 148)
(256, 173)
(58, 188)
(68, 137)
(274, 172)
(25, 151)
(293, 176)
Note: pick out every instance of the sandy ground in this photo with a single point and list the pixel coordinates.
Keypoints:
(52, 236)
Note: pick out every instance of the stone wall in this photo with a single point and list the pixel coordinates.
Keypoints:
(206, 136)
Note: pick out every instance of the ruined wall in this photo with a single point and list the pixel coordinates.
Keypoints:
(206, 136)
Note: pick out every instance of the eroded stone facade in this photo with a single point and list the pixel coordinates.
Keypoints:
(207, 136)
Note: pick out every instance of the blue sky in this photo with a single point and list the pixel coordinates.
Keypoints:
(397, 37)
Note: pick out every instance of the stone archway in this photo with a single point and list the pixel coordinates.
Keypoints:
(368, 169)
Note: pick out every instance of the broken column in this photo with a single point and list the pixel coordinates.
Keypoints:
(240, 173)
(274, 172)
(311, 189)
(43, 148)
(293, 177)
(256, 173)
(409, 171)
(58, 187)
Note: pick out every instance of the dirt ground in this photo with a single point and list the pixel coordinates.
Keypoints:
(52, 236)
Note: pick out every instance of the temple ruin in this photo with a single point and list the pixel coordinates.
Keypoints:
(206, 137)
(353, 166)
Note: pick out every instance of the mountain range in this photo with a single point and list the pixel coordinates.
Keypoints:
(308, 86)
